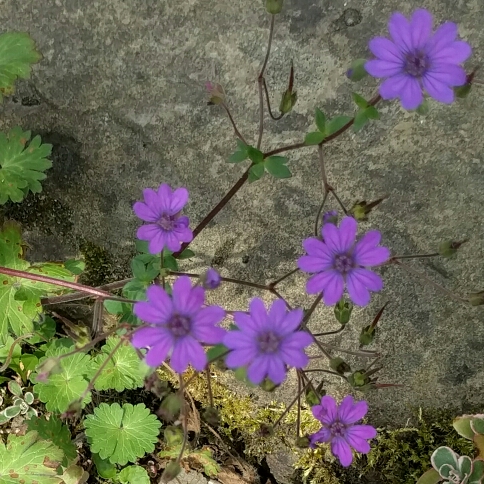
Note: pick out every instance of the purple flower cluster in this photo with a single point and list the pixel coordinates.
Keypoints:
(417, 59)
(339, 260)
(339, 429)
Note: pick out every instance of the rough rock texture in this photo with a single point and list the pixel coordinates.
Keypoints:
(120, 93)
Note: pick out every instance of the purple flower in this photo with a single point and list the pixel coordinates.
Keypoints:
(339, 427)
(211, 279)
(166, 228)
(417, 59)
(338, 260)
(267, 342)
(178, 325)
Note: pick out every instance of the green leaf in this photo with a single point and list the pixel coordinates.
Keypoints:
(75, 266)
(241, 153)
(477, 472)
(360, 120)
(133, 475)
(336, 124)
(276, 166)
(186, 254)
(27, 459)
(11, 412)
(134, 290)
(462, 425)
(113, 307)
(429, 477)
(5, 349)
(205, 458)
(74, 475)
(372, 112)
(104, 468)
(14, 388)
(320, 120)
(216, 352)
(124, 370)
(54, 430)
(357, 70)
(360, 101)
(477, 425)
(444, 455)
(314, 138)
(44, 328)
(67, 386)
(22, 164)
(255, 155)
(169, 262)
(17, 53)
(122, 434)
(142, 246)
(256, 172)
(138, 268)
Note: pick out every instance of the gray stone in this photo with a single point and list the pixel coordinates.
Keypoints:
(120, 93)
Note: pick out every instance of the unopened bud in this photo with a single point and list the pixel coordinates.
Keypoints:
(73, 410)
(212, 416)
(274, 6)
(266, 430)
(330, 217)
(360, 210)
(367, 335)
(424, 108)
(154, 384)
(357, 70)
(50, 366)
(171, 471)
(449, 248)
(173, 435)
(303, 442)
(170, 407)
(463, 91)
(339, 365)
(288, 101)
(216, 93)
(476, 298)
(211, 279)
(342, 311)
(314, 397)
(358, 379)
(268, 385)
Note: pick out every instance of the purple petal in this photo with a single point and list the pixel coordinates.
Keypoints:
(145, 213)
(323, 435)
(382, 68)
(146, 337)
(277, 313)
(160, 300)
(331, 283)
(391, 87)
(328, 403)
(347, 233)
(164, 195)
(151, 199)
(178, 200)
(298, 340)
(358, 444)
(411, 94)
(449, 74)
(208, 334)
(341, 449)
(318, 411)
(241, 357)
(182, 295)
(209, 316)
(317, 248)
(331, 237)
(245, 323)
(148, 313)
(400, 32)
(276, 369)
(158, 353)
(258, 313)
(196, 297)
(437, 89)
(385, 50)
(421, 27)
(172, 241)
(148, 232)
(290, 323)
(455, 53)
(293, 356)
(367, 254)
(239, 340)
(363, 432)
(258, 369)
(187, 350)
(358, 283)
(443, 37)
(308, 263)
(350, 411)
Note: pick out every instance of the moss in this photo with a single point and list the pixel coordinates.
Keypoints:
(99, 264)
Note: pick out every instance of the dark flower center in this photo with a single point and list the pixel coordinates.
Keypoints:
(179, 325)
(268, 342)
(337, 429)
(343, 263)
(167, 222)
(416, 63)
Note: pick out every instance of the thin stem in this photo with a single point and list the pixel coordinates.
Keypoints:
(277, 294)
(330, 372)
(341, 204)
(224, 279)
(260, 81)
(275, 118)
(208, 218)
(162, 261)
(229, 114)
(327, 333)
(209, 386)
(298, 421)
(10, 351)
(363, 354)
(185, 420)
(285, 276)
(326, 185)
(278, 421)
(318, 216)
(415, 256)
(422, 276)
(310, 311)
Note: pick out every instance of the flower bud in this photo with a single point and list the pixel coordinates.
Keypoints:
(360, 210)
(358, 379)
(303, 442)
(73, 410)
(288, 101)
(216, 93)
(476, 298)
(463, 91)
(212, 416)
(339, 365)
(357, 70)
(367, 335)
(171, 471)
(342, 311)
(173, 435)
(50, 366)
(266, 430)
(268, 386)
(330, 217)
(274, 6)
(449, 248)
(211, 279)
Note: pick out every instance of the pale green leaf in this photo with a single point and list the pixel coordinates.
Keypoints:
(256, 172)
(276, 166)
(133, 475)
(320, 120)
(26, 459)
(336, 124)
(63, 388)
(124, 370)
(314, 138)
(122, 434)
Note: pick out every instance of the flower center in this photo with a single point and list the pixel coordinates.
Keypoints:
(337, 429)
(416, 63)
(179, 325)
(268, 342)
(343, 263)
(167, 222)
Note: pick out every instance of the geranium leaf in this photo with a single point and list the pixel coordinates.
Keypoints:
(124, 370)
(22, 164)
(67, 386)
(133, 475)
(29, 460)
(122, 434)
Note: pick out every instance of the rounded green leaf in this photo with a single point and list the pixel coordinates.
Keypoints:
(320, 120)
(104, 468)
(477, 472)
(133, 475)
(477, 425)
(360, 101)
(122, 434)
(14, 388)
(255, 155)
(360, 120)
(357, 70)
(11, 412)
(444, 455)
(429, 477)
(256, 172)
(336, 124)
(462, 425)
(314, 138)
(275, 165)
